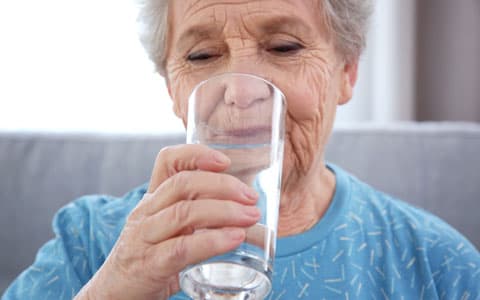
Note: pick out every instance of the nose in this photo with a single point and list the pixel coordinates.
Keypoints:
(243, 92)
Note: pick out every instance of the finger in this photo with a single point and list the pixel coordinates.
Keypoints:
(191, 185)
(175, 254)
(174, 159)
(188, 216)
(260, 236)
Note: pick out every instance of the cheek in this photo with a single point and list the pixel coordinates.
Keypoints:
(181, 86)
(310, 98)
(183, 80)
(308, 93)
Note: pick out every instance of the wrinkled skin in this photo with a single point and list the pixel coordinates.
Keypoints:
(287, 43)
(193, 211)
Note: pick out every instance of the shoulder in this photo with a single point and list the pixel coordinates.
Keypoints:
(400, 217)
(98, 207)
(392, 213)
(85, 230)
(419, 241)
(91, 224)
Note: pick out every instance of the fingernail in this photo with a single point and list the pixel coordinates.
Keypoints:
(235, 234)
(250, 193)
(252, 211)
(221, 158)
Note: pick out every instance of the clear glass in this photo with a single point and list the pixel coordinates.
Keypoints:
(244, 117)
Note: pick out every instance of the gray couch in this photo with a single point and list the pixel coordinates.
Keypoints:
(434, 166)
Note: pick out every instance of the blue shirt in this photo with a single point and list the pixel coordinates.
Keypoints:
(367, 246)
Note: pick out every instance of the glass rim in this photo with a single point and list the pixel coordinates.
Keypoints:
(240, 74)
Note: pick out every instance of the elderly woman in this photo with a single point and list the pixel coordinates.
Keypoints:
(338, 237)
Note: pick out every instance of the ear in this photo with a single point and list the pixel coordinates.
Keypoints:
(349, 78)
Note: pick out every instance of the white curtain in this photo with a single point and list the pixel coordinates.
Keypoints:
(385, 90)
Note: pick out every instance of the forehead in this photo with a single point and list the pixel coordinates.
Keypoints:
(192, 7)
(208, 14)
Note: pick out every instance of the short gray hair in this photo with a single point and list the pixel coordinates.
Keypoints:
(348, 20)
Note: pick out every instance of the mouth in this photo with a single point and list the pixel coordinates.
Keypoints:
(241, 136)
(251, 131)
(234, 134)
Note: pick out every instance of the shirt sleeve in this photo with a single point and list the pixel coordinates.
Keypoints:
(61, 266)
(455, 266)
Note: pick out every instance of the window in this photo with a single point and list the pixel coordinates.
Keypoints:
(78, 66)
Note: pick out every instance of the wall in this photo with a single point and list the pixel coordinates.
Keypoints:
(448, 60)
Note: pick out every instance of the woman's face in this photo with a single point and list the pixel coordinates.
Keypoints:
(283, 41)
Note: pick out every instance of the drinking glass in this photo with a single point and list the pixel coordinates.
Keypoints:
(243, 116)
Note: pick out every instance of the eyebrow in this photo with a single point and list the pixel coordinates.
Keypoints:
(196, 33)
(274, 24)
(281, 23)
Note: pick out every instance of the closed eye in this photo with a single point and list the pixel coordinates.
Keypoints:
(199, 56)
(204, 55)
(286, 48)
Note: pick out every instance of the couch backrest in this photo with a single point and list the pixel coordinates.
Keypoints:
(434, 166)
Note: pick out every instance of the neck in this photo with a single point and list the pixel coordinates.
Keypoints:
(305, 199)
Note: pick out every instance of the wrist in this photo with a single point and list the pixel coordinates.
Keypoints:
(98, 288)
(85, 293)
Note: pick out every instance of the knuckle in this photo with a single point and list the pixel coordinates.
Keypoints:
(176, 165)
(180, 180)
(179, 251)
(227, 181)
(163, 156)
(132, 217)
(135, 215)
(140, 211)
(164, 153)
(170, 160)
(169, 155)
(186, 184)
(181, 212)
